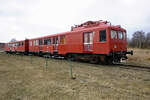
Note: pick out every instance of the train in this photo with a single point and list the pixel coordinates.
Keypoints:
(93, 41)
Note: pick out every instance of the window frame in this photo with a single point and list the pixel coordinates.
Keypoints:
(22, 43)
(36, 42)
(49, 41)
(104, 30)
(55, 40)
(40, 42)
(120, 33)
(45, 41)
(114, 36)
(64, 39)
(88, 37)
(30, 43)
(124, 35)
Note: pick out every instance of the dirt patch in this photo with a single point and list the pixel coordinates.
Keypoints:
(148, 59)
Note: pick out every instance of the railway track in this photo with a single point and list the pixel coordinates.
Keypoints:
(133, 66)
(120, 65)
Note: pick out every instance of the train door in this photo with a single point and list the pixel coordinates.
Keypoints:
(40, 45)
(55, 44)
(88, 41)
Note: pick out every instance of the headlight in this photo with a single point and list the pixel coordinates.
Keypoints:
(115, 46)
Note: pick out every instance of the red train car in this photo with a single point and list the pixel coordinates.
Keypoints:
(95, 41)
(17, 47)
(47, 44)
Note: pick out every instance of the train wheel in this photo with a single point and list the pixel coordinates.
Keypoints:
(109, 61)
(106, 60)
(94, 60)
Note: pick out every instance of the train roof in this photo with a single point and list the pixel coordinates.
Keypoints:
(18, 41)
(95, 24)
(51, 35)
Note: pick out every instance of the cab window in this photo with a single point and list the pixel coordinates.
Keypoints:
(124, 33)
(120, 35)
(102, 36)
(113, 34)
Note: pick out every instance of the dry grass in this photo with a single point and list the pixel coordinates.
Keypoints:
(20, 80)
(141, 56)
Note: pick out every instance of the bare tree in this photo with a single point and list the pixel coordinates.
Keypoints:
(13, 40)
(148, 40)
(138, 39)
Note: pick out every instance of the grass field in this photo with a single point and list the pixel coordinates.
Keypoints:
(21, 80)
(140, 57)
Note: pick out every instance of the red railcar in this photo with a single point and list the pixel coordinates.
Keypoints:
(96, 41)
(17, 47)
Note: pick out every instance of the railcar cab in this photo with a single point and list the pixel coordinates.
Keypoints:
(118, 43)
(103, 40)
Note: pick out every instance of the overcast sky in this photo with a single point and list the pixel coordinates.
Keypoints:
(22, 19)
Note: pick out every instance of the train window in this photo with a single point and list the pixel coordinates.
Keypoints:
(19, 44)
(49, 41)
(62, 39)
(103, 36)
(85, 37)
(120, 35)
(30, 43)
(22, 43)
(124, 35)
(91, 37)
(113, 34)
(55, 40)
(45, 41)
(88, 37)
(36, 42)
(40, 42)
